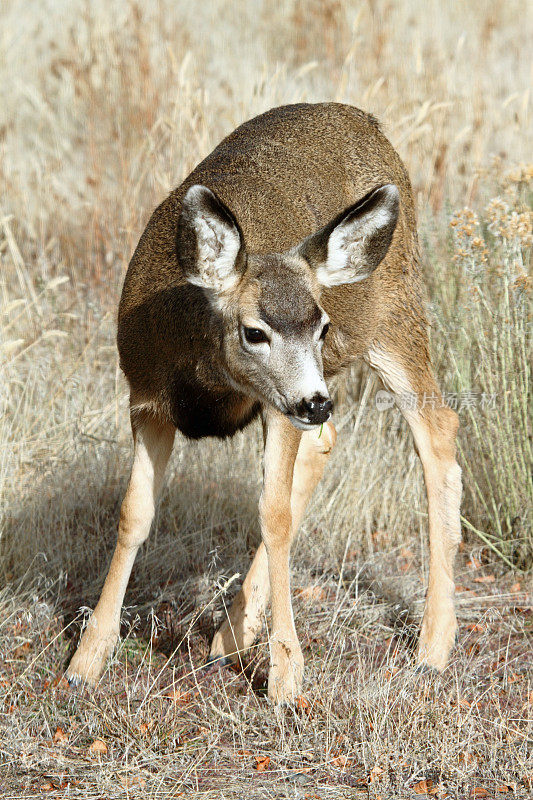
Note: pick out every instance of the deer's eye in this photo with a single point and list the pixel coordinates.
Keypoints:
(255, 335)
(325, 329)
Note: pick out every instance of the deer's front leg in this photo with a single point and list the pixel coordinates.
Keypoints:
(286, 659)
(153, 445)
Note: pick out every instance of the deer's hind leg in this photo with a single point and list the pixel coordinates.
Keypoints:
(153, 442)
(408, 375)
(246, 616)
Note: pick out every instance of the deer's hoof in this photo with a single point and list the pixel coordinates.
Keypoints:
(218, 661)
(286, 674)
(90, 658)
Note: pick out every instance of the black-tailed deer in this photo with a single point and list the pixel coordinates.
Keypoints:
(288, 253)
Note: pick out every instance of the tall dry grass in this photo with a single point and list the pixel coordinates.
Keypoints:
(483, 327)
(107, 106)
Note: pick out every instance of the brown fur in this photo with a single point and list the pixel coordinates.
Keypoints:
(283, 175)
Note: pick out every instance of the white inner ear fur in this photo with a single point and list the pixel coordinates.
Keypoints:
(346, 261)
(218, 246)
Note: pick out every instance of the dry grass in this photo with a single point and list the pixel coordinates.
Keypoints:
(367, 726)
(105, 107)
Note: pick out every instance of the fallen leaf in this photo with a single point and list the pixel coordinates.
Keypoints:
(474, 563)
(178, 696)
(340, 761)
(303, 703)
(98, 746)
(485, 579)
(476, 627)
(515, 588)
(261, 763)
(70, 782)
(467, 758)
(129, 781)
(424, 787)
(22, 649)
(60, 737)
(48, 786)
(375, 774)
(311, 593)
(479, 791)
(502, 788)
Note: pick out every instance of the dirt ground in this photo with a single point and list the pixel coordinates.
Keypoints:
(159, 724)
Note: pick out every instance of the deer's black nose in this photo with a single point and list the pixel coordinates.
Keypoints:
(317, 409)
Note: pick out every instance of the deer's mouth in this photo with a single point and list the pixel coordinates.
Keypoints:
(304, 424)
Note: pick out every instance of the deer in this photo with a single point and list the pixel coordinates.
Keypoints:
(287, 254)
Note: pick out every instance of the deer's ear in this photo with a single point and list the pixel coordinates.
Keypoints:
(352, 245)
(209, 242)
